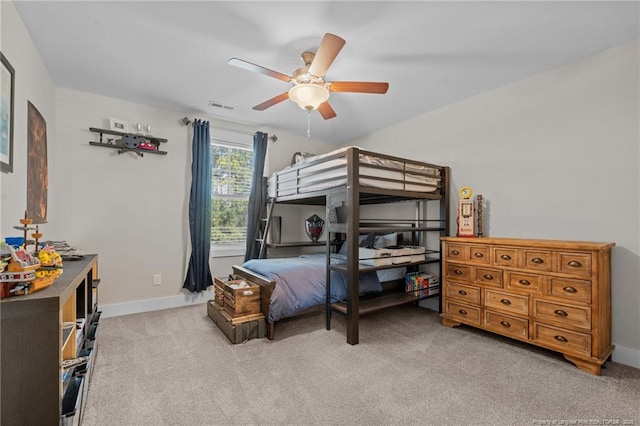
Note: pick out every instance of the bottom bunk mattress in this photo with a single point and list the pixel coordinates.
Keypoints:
(301, 283)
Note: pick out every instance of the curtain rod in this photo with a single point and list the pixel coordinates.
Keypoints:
(186, 121)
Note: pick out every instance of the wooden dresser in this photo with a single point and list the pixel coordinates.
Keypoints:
(554, 294)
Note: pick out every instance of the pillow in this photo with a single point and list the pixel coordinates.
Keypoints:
(299, 156)
(375, 241)
(368, 240)
(388, 240)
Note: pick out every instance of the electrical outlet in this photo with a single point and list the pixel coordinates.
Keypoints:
(157, 279)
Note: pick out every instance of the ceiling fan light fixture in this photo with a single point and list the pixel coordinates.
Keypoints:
(309, 96)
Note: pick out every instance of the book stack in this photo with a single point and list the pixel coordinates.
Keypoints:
(421, 283)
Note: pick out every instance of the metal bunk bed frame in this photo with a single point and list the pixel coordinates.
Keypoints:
(355, 196)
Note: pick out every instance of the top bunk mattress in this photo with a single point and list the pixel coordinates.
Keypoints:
(330, 170)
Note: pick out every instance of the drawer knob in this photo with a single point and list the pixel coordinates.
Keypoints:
(462, 312)
(569, 289)
(488, 277)
(478, 254)
(525, 282)
(575, 264)
(560, 312)
(505, 324)
(537, 260)
(457, 272)
(505, 301)
(455, 252)
(505, 257)
(561, 339)
(462, 292)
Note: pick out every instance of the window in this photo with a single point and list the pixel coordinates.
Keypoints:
(230, 186)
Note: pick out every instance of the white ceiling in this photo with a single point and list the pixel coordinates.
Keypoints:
(174, 54)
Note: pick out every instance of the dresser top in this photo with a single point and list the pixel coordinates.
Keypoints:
(528, 242)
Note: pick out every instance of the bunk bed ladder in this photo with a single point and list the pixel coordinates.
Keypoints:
(263, 240)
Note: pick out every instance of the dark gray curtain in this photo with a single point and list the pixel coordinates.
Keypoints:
(199, 274)
(257, 195)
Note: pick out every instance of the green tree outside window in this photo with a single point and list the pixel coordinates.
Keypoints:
(230, 185)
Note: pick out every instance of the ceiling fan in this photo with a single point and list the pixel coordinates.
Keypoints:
(309, 88)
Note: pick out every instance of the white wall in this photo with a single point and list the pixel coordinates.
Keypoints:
(555, 156)
(132, 211)
(32, 83)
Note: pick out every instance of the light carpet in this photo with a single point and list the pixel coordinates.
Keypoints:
(175, 367)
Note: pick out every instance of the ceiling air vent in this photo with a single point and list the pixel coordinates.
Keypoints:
(219, 105)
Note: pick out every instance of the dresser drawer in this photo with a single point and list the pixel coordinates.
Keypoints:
(465, 313)
(458, 272)
(506, 302)
(488, 277)
(524, 282)
(563, 340)
(505, 256)
(574, 263)
(575, 290)
(563, 315)
(479, 254)
(457, 252)
(537, 259)
(506, 324)
(464, 293)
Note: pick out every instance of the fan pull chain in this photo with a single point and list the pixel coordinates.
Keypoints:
(309, 126)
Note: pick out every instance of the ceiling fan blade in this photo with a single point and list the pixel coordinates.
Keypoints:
(271, 102)
(259, 69)
(329, 48)
(359, 87)
(326, 111)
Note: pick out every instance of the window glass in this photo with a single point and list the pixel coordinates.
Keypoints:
(230, 186)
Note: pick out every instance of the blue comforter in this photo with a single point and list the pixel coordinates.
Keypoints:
(301, 283)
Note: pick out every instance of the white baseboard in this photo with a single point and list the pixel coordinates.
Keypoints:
(147, 305)
(626, 356)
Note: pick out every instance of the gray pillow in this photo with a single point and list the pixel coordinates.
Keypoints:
(388, 240)
(379, 241)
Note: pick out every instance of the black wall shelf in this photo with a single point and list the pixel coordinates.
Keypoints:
(122, 147)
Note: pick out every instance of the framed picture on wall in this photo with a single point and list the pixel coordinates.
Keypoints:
(118, 125)
(37, 170)
(7, 94)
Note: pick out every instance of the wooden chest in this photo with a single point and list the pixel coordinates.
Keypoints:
(239, 297)
(554, 294)
(237, 330)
